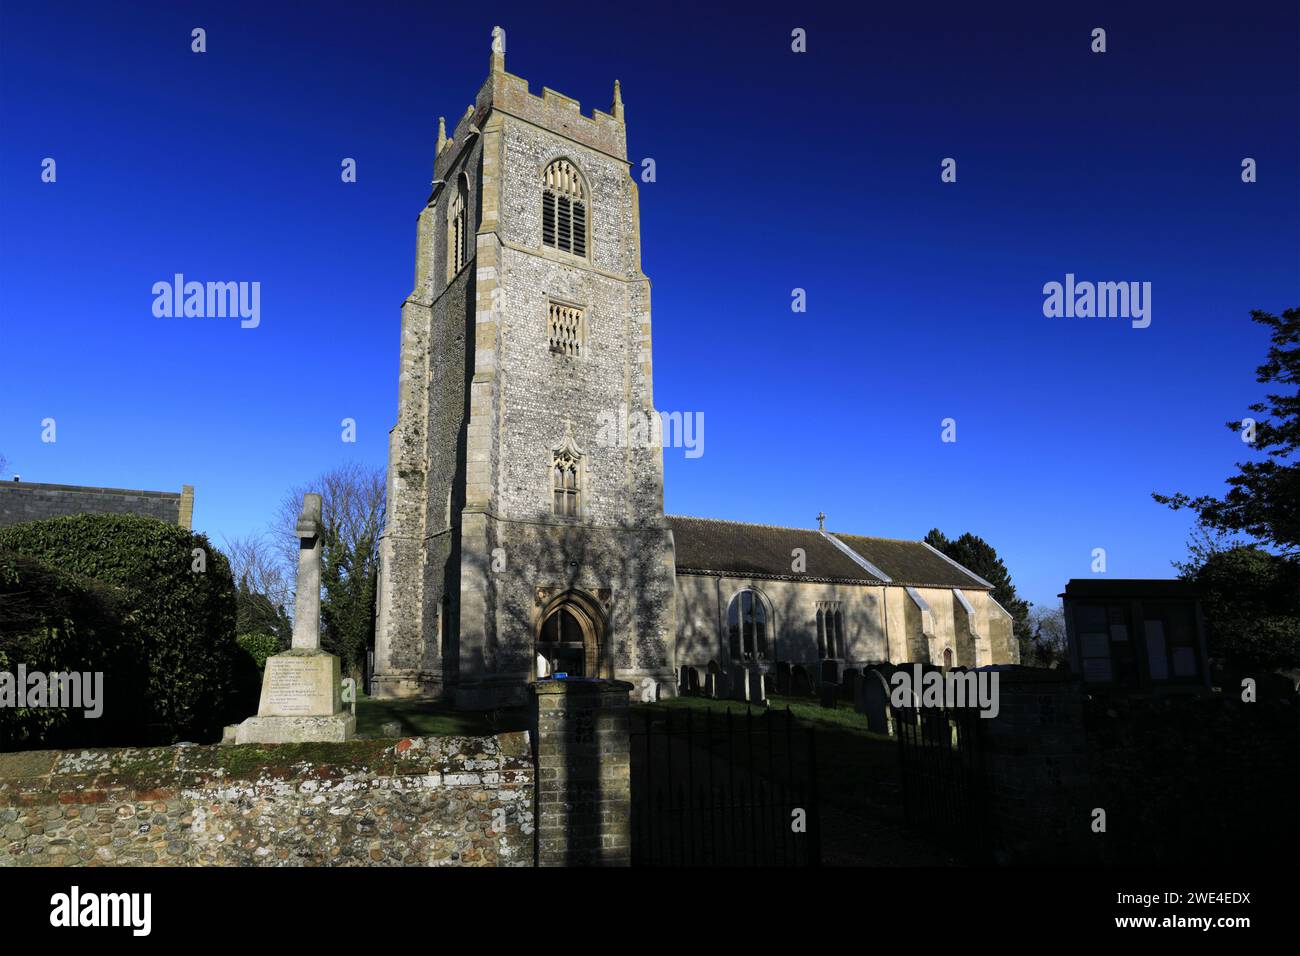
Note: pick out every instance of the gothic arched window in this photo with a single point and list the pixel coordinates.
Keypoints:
(458, 229)
(564, 208)
(747, 626)
(564, 484)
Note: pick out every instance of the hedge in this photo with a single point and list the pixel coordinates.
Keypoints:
(259, 647)
(174, 645)
(53, 622)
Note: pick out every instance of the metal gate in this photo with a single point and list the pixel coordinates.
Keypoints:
(726, 789)
(942, 771)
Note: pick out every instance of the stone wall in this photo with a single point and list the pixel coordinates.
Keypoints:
(22, 501)
(435, 801)
(1035, 758)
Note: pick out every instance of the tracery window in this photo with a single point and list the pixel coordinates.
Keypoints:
(565, 485)
(830, 630)
(747, 626)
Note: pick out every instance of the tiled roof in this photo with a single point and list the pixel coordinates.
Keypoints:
(704, 544)
(709, 545)
(911, 562)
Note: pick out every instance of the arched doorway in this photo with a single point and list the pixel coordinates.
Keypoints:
(570, 637)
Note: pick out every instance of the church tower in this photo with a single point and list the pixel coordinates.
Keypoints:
(525, 531)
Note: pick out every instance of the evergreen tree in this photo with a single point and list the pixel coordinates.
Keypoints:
(1263, 499)
(976, 554)
(1250, 596)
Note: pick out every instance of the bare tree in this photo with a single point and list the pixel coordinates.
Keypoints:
(1047, 624)
(352, 509)
(257, 564)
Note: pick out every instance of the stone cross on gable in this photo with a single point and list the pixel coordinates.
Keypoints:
(821, 521)
(306, 605)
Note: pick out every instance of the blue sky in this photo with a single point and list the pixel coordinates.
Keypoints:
(775, 170)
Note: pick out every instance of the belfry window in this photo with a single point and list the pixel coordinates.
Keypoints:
(457, 230)
(564, 209)
(747, 626)
(565, 487)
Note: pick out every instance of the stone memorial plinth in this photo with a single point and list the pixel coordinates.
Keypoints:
(301, 688)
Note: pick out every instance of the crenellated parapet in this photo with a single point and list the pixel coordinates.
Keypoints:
(553, 111)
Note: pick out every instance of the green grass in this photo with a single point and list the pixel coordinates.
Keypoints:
(857, 770)
(427, 718)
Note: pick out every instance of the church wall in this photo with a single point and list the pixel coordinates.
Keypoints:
(943, 634)
(997, 624)
(528, 150)
(702, 601)
(699, 624)
(621, 568)
(398, 635)
(900, 614)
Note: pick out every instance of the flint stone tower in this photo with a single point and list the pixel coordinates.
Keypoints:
(522, 537)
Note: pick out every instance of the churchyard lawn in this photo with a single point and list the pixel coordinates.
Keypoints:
(427, 718)
(857, 778)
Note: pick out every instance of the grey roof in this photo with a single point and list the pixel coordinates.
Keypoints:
(732, 547)
(912, 562)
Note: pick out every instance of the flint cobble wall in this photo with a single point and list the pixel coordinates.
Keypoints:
(433, 801)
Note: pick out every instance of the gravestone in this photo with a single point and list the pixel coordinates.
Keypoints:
(757, 686)
(710, 684)
(875, 703)
(719, 681)
(849, 682)
(830, 695)
(739, 682)
(301, 691)
(782, 677)
(830, 672)
(800, 684)
(689, 681)
(860, 692)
